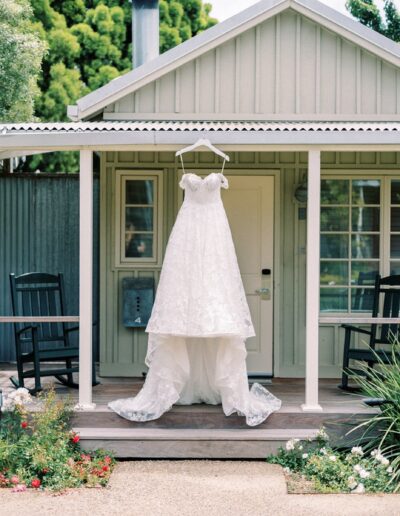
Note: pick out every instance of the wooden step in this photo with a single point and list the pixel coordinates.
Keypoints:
(167, 443)
(211, 417)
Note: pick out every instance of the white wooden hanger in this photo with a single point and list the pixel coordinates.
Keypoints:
(203, 142)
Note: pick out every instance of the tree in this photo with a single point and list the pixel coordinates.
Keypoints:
(21, 53)
(367, 12)
(89, 45)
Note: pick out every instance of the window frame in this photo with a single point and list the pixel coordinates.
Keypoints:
(121, 178)
(385, 227)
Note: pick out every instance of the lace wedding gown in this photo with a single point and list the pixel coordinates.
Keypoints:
(200, 318)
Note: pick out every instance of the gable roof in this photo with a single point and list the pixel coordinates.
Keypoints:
(340, 24)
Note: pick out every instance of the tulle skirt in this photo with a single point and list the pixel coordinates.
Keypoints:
(187, 370)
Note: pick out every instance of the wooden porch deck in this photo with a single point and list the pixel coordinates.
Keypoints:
(203, 431)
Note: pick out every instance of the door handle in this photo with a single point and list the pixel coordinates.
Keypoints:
(262, 291)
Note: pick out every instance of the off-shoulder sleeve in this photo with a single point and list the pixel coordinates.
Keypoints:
(224, 182)
(182, 182)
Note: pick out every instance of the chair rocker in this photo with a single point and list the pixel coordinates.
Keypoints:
(43, 295)
(386, 294)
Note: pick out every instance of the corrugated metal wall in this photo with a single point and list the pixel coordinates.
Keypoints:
(39, 231)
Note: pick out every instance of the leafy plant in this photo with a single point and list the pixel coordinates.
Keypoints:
(39, 450)
(334, 471)
(383, 382)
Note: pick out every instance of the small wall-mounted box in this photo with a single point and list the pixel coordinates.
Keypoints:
(137, 301)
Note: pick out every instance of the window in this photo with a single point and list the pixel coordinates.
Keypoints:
(137, 202)
(350, 243)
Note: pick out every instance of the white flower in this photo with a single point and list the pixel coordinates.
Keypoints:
(380, 458)
(352, 482)
(291, 444)
(286, 470)
(332, 458)
(305, 455)
(357, 468)
(300, 447)
(323, 451)
(359, 489)
(364, 474)
(389, 470)
(321, 434)
(8, 404)
(357, 450)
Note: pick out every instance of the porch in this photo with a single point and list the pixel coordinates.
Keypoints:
(203, 431)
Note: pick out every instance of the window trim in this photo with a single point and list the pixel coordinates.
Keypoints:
(121, 176)
(384, 233)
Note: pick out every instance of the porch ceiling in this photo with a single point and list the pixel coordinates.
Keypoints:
(169, 135)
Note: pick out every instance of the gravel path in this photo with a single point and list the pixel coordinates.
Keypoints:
(210, 488)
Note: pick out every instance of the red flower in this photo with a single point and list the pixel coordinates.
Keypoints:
(105, 468)
(35, 483)
(14, 479)
(75, 438)
(24, 424)
(107, 459)
(45, 470)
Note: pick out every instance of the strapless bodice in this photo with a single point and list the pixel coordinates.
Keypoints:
(200, 190)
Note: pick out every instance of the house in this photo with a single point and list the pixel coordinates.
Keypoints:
(306, 102)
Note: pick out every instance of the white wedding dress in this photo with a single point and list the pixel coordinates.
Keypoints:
(200, 318)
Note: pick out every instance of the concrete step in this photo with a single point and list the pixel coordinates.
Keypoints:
(167, 443)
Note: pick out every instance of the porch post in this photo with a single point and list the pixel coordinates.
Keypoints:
(85, 279)
(312, 281)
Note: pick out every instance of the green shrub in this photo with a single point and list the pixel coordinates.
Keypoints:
(333, 471)
(39, 450)
(383, 429)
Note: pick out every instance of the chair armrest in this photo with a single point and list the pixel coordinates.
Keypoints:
(27, 328)
(355, 328)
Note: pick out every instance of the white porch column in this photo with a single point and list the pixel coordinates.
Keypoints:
(85, 279)
(312, 281)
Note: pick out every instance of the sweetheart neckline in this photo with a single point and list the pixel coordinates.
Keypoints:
(202, 178)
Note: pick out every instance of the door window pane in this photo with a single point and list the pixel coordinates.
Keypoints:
(139, 219)
(138, 245)
(139, 191)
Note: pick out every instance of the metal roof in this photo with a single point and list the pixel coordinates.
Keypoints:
(201, 126)
(30, 138)
(353, 30)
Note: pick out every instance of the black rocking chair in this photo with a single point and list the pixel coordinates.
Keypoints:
(386, 294)
(43, 295)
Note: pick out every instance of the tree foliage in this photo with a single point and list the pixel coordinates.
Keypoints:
(21, 53)
(90, 44)
(368, 13)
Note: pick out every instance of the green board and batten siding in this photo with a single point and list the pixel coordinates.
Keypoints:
(122, 350)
